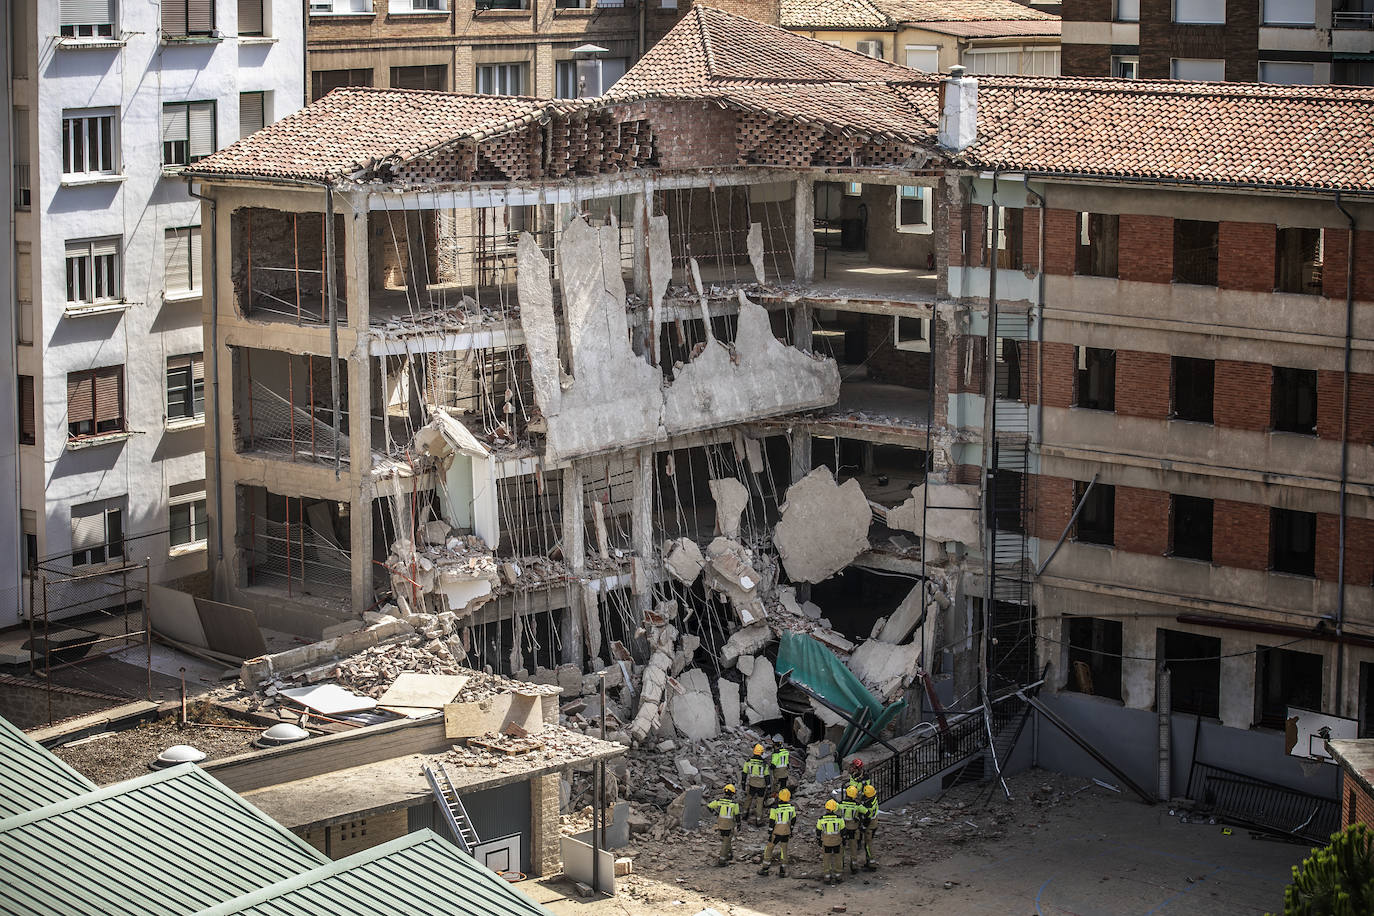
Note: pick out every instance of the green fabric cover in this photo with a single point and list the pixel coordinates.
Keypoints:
(808, 662)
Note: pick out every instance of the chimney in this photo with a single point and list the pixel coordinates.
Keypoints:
(958, 110)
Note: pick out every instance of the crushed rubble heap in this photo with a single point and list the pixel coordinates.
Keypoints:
(550, 746)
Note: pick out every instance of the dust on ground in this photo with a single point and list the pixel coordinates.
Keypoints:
(116, 756)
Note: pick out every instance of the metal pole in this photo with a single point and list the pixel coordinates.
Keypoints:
(333, 316)
(148, 620)
(596, 827)
(47, 650)
(33, 606)
(602, 676)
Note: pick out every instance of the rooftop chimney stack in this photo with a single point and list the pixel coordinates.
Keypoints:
(958, 110)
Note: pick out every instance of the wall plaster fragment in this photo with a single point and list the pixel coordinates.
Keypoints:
(823, 526)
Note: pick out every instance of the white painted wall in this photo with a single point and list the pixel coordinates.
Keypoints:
(136, 79)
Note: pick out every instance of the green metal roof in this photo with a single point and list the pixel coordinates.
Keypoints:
(172, 842)
(418, 875)
(30, 776)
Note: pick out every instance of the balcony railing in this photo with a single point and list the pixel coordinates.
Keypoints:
(1353, 20)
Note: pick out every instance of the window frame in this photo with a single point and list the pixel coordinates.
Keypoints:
(317, 81)
(1204, 7)
(1098, 249)
(111, 512)
(187, 107)
(426, 71)
(90, 275)
(197, 522)
(263, 9)
(262, 96)
(109, 131)
(500, 74)
(1284, 556)
(93, 376)
(1200, 264)
(922, 198)
(1117, 14)
(1286, 412)
(28, 420)
(1264, 65)
(1175, 362)
(189, 392)
(1303, 278)
(209, 30)
(918, 344)
(921, 50)
(1084, 377)
(89, 31)
(1179, 502)
(1100, 514)
(194, 254)
(1175, 61)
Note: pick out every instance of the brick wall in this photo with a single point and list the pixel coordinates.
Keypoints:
(976, 218)
(968, 364)
(1142, 383)
(1053, 506)
(1240, 534)
(1085, 60)
(1060, 368)
(544, 798)
(1146, 248)
(1142, 520)
(1359, 549)
(888, 364)
(1061, 241)
(1246, 256)
(1335, 251)
(1241, 398)
(26, 703)
(1237, 41)
(1351, 788)
(966, 474)
(1330, 386)
(693, 135)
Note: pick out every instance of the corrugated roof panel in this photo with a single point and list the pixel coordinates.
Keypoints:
(417, 875)
(170, 843)
(30, 776)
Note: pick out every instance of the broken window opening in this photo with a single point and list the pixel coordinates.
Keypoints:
(1097, 520)
(1293, 542)
(1095, 379)
(684, 506)
(1298, 261)
(1192, 388)
(1097, 244)
(283, 406)
(855, 599)
(1196, 251)
(278, 265)
(713, 226)
(1007, 499)
(1366, 700)
(1011, 643)
(1293, 403)
(1010, 236)
(1009, 368)
(1094, 657)
(1190, 527)
(876, 238)
(294, 543)
(530, 508)
(1194, 663)
(1284, 678)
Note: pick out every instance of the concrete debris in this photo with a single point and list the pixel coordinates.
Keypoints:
(823, 526)
(903, 620)
(732, 497)
(948, 512)
(683, 559)
(456, 575)
(730, 573)
(745, 641)
(754, 245)
(761, 698)
(694, 711)
(886, 668)
(729, 703)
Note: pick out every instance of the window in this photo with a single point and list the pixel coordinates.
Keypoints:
(870, 48)
(95, 401)
(1285, 678)
(252, 112)
(28, 523)
(913, 208)
(88, 143)
(323, 82)
(339, 7)
(853, 189)
(23, 268)
(1097, 520)
(434, 77)
(1194, 664)
(93, 271)
(1192, 388)
(1097, 244)
(186, 387)
(1293, 400)
(418, 6)
(586, 78)
(1008, 369)
(1298, 261)
(1293, 541)
(911, 334)
(1040, 61)
(23, 186)
(1200, 12)
(188, 132)
(1126, 11)
(1197, 69)
(1366, 700)
(1094, 657)
(565, 79)
(1289, 12)
(923, 57)
(1125, 68)
(1190, 527)
(187, 522)
(87, 18)
(1095, 380)
(188, 17)
(1350, 72)
(988, 63)
(251, 20)
(1006, 500)
(1195, 252)
(501, 79)
(1287, 73)
(28, 431)
(98, 532)
(20, 16)
(182, 247)
(1009, 233)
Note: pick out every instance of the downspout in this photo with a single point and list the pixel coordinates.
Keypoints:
(1039, 324)
(643, 27)
(329, 278)
(214, 368)
(1345, 457)
(989, 443)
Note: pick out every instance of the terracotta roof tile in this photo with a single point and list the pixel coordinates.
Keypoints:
(958, 10)
(992, 28)
(886, 14)
(834, 14)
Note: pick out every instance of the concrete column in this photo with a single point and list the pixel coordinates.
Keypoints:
(1237, 704)
(1139, 644)
(804, 239)
(354, 284)
(222, 554)
(575, 556)
(799, 442)
(803, 323)
(544, 803)
(642, 527)
(640, 215)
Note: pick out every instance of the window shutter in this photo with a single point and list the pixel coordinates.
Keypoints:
(251, 115)
(88, 528)
(109, 404)
(193, 242)
(198, 367)
(104, 247)
(173, 123)
(80, 397)
(174, 20)
(178, 262)
(27, 428)
(200, 16)
(87, 12)
(250, 17)
(202, 129)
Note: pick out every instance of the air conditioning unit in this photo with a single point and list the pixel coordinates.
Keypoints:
(873, 48)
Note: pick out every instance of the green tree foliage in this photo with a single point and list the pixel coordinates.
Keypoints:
(1337, 880)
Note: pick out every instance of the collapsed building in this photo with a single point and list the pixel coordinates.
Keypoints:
(982, 383)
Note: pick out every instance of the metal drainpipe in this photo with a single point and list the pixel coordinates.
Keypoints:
(214, 366)
(1039, 324)
(330, 271)
(989, 445)
(1345, 457)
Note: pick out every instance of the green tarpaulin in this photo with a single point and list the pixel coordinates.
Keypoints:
(813, 666)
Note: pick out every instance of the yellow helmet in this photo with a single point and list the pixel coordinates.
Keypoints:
(832, 806)
(852, 791)
(784, 795)
(729, 788)
(758, 749)
(869, 791)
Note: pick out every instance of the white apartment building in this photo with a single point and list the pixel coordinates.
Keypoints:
(111, 99)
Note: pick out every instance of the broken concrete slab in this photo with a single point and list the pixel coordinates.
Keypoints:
(683, 559)
(729, 572)
(746, 664)
(947, 512)
(753, 243)
(745, 641)
(761, 693)
(729, 703)
(694, 711)
(885, 668)
(903, 620)
(413, 694)
(823, 526)
(732, 497)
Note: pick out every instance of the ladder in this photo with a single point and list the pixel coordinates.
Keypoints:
(459, 824)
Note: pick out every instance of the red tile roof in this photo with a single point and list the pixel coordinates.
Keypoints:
(992, 28)
(886, 14)
(833, 14)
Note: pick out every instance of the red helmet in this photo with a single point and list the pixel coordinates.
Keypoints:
(856, 764)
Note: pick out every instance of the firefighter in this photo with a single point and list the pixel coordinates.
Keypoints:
(727, 818)
(868, 825)
(780, 816)
(756, 772)
(828, 836)
(779, 762)
(849, 813)
(856, 774)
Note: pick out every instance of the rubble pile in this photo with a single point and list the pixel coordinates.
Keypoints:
(505, 753)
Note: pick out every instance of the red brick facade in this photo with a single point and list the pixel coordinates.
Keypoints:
(1053, 506)
(1060, 367)
(1335, 252)
(1241, 395)
(1142, 384)
(1146, 248)
(1240, 534)
(1142, 520)
(1061, 241)
(1330, 394)
(1246, 256)
(1357, 805)
(1359, 550)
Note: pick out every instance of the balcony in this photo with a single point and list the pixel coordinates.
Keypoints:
(1356, 19)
